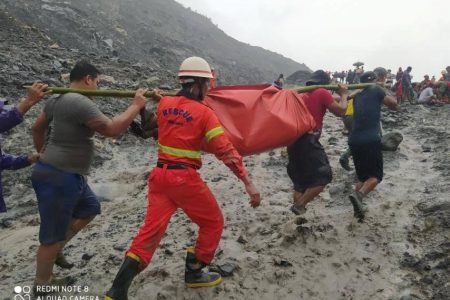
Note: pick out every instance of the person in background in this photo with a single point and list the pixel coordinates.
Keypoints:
(358, 72)
(427, 96)
(390, 79)
(212, 81)
(11, 116)
(425, 83)
(398, 85)
(343, 76)
(443, 73)
(433, 79)
(350, 76)
(344, 159)
(407, 85)
(399, 75)
(279, 82)
(444, 86)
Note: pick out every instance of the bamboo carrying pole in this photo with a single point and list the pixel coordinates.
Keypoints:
(101, 93)
(150, 94)
(332, 87)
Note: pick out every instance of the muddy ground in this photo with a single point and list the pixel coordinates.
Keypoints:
(401, 251)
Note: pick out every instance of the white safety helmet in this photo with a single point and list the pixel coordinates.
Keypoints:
(195, 67)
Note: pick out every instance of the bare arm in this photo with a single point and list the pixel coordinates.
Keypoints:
(39, 132)
(252, 191)
(114, 127)
(119, 124)
(34, 95)
(338, 108)
(391, 103)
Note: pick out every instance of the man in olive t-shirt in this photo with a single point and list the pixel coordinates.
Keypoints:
(69, 138)
(65, 201)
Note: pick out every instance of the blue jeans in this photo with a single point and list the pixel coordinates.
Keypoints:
(62, 196)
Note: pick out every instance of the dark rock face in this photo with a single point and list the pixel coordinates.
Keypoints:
(159, 33)
(299, 77)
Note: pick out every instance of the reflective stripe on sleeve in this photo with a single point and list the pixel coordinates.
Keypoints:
(213, 133)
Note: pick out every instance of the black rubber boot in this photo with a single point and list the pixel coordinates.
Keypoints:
(194, 276)
(356, 200)
(119, 289)
(344, 160)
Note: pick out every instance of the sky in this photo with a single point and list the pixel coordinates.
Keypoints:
(333, 34)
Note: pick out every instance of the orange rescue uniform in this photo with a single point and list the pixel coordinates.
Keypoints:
(185, 128)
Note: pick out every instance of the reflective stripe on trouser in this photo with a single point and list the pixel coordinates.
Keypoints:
(172, 189)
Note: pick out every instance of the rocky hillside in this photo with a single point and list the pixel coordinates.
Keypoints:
(26, 54)
(156, 33)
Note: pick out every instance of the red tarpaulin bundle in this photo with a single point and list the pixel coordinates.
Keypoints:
(259, 118)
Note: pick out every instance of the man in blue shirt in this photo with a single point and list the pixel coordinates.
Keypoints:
(365, 138)
(407, 85)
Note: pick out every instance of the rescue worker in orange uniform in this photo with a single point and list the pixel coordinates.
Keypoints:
(185, 127)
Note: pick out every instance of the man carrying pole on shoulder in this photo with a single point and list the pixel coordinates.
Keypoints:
(185, 127)
(308, 166)
(65, 201)
(365, 138)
